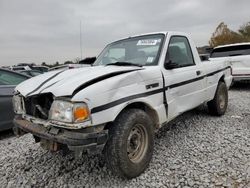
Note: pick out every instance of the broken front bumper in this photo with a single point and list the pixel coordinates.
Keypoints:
(88, 139)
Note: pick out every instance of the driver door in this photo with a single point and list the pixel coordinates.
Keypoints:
(185, 88)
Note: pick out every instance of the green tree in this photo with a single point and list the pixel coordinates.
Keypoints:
(56, 64)
(245, 31)
(77, 60)
(68, 62)
(223, 35)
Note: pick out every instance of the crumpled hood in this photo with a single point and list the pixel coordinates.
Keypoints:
(65, 83)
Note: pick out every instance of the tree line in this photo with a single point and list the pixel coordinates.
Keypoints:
(224, 35)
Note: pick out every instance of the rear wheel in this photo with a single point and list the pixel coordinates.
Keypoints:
(130, 145)
(218, 105)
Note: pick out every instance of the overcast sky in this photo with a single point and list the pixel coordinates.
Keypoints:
(48, 30)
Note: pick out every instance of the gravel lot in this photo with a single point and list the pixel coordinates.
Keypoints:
(196, 150)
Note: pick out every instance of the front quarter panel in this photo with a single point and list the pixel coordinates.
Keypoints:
(108, 98)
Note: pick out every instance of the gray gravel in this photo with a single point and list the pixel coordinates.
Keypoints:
(196, 150)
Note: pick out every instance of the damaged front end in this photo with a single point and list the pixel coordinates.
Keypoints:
(58, 123)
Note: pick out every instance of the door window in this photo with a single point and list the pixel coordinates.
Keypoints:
(179, 52)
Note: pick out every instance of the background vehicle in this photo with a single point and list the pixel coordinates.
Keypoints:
(19, 68)
(5, 67)
(40, 68)
(68, 66)
(204, 57)
(31, 73)
(239, 57)
(88, 61)
(135, 86)
(8, 81)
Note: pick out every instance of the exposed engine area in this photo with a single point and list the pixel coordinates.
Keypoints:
(39, 105)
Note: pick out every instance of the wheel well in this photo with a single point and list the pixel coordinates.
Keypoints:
(140, 105)
(222, 79)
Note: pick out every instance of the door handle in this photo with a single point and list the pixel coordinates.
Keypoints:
(198, 72)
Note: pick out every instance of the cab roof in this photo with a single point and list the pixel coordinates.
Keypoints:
(153, 33)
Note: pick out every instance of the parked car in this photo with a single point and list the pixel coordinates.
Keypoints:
(136, 86)
(31, 73)
(40, 68)
(204, 57)
(8, 81)
(19, 68)
(239, 57)
(5, 67)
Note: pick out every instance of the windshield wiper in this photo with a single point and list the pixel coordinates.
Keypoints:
(124, 63)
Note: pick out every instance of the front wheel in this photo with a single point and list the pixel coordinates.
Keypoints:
(218, 105)
(129, 148)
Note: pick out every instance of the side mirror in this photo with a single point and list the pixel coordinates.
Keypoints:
(170, 65)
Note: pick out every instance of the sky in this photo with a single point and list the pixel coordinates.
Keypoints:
(49, 30)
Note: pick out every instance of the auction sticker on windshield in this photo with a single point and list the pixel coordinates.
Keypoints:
(148, 42)
(150, 59)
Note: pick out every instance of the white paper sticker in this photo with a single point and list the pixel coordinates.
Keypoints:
(150, 59)
(147, 42)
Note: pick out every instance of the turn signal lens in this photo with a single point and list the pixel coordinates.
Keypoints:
(81, 113)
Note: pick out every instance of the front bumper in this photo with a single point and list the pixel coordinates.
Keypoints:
(88, 139)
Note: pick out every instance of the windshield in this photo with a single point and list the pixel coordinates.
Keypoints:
(143, 50)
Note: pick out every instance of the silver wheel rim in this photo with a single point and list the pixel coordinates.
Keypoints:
(137, 143)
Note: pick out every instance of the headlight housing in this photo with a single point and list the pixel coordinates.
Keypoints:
(68, 112)
(17, 104)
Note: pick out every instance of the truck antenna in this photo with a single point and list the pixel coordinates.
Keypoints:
(81, 38)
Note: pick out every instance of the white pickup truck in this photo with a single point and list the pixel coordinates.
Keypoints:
(136, 85)
(239, 57)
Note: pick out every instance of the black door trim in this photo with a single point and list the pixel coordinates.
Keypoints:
(125, 99)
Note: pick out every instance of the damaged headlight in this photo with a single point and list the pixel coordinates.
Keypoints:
(17, 104)
(66, 111)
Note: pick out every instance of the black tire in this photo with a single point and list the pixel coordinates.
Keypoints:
(218, 105)
(126, 153)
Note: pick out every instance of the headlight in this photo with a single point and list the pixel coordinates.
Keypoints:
(17, 104)
(69, 112)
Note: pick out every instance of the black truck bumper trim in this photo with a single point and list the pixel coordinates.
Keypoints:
(75, 141)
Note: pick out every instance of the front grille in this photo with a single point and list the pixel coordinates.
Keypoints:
(39, 105)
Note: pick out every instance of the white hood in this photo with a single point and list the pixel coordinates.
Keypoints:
(64, 83)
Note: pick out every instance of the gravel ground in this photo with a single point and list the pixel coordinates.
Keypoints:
(196, 150)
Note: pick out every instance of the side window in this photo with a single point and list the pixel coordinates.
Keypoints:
(9, 78)
(179, 52)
